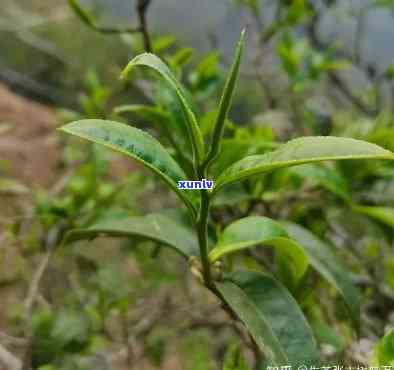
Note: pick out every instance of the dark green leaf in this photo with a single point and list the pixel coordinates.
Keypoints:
(152, 61)
(136, 144)
(301, 151)
(325, 262)
(273, 318)
(157, 227)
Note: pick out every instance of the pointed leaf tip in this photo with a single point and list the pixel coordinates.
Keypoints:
(155, 63)
(225, 103)
(299, 151)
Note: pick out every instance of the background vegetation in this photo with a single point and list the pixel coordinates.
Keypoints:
(310, 68)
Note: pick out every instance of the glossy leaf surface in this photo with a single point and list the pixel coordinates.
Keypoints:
(301, 151)
(137, 144)
(249, 232)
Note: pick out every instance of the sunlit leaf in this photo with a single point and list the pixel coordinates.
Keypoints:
(252, 231)
(301, 151)
(137, 144)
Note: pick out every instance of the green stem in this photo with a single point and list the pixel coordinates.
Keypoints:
(202, 229)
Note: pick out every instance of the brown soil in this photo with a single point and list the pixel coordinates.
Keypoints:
(28, 145)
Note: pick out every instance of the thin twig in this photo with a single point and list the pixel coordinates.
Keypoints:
(35, 284)
(12, 341)
(142, 8)
(8, 360)
(49, 245)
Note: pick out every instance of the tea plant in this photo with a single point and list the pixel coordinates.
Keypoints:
(266, 302)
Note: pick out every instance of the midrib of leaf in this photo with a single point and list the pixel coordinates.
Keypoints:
(269, 167)
(166, 178)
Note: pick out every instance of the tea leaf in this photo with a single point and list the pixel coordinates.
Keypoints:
(155, 63)
(326, 263)
(273, 318)
(136, 144)
(225, 102)
(157, 227)
(301, 151)
(252, 231)
(155, 115)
